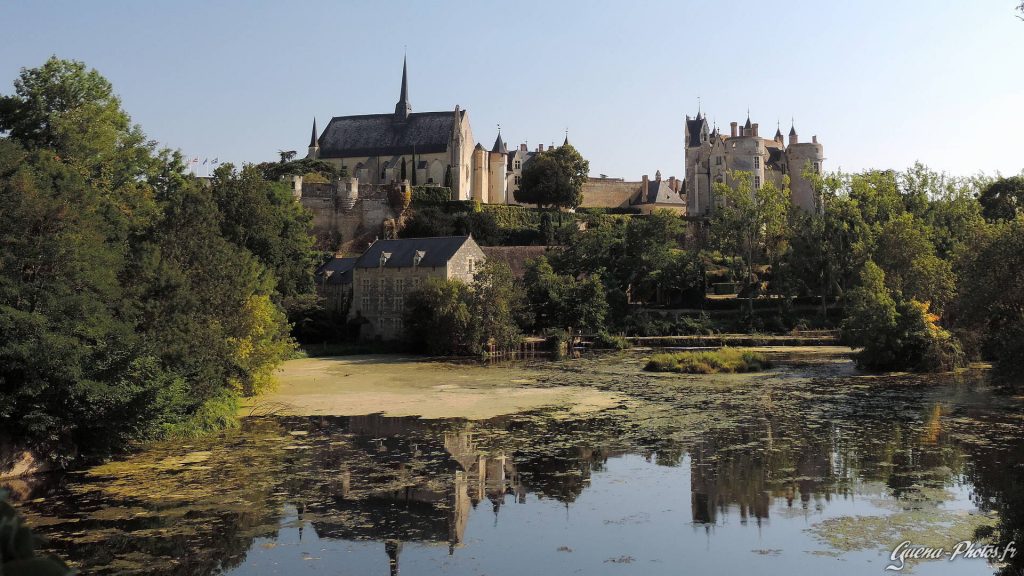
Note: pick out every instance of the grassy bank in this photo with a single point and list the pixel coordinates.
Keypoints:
(709, 362)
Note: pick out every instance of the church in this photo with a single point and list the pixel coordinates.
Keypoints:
(421, 148)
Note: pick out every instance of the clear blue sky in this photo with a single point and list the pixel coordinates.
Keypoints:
(882, 84)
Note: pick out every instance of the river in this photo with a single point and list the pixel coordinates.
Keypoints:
(809, 468)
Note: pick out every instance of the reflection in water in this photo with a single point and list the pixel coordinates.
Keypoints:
(395, 482)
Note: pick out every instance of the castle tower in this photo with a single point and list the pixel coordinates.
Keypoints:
(801, 157)
(403, 108)
(498, 164)
(314, 145)
(778, 134)
(793, 139)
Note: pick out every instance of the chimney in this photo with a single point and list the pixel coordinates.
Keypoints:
(754, 127)
(540, 148)
(814, 138)
(732, 129)
(522, 147)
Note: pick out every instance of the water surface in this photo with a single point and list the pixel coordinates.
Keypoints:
(811, 468)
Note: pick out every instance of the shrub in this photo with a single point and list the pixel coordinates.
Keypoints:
(605, 340)
(709, 362)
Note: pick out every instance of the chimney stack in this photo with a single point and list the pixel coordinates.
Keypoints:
(732, 129)
(814, 138)
(540, 148)
(754, 127)
(522, 147)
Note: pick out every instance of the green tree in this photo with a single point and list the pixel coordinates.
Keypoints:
(439, 318)
(499, 307)
(895, 334)
(750, 223)
(989, 307)
(554, 177)
(1003, 199)
(264, 218)
(562, 301)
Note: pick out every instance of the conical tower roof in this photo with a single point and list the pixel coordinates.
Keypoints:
(403, 108)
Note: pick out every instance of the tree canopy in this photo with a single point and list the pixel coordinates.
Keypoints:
(554, 177)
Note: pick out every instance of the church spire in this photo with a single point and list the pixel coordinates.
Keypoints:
(566, 141)
(403, 108)
(312, 139)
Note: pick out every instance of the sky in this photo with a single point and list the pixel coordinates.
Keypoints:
(881, 83)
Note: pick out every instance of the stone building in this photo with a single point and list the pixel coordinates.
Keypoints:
(712, 157)
(423, 148)
(390, 269)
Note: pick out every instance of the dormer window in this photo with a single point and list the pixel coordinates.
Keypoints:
(418, 257)
(384, 256)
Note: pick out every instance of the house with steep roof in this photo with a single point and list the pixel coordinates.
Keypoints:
(391, 269)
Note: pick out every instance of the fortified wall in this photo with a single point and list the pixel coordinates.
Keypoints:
(348, 215)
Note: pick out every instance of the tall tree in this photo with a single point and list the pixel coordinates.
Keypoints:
(554, 177)
(750, 222)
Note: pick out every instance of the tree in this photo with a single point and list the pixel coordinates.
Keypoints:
(265, 219)
(498, 304)
(895, 334)
(439, 318)
(1003, 199)
(554, 177)
(989, 307)
(912, 270)
(65, 107)
(562, 301)
(750, 222)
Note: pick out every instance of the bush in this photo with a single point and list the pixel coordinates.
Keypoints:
(711, 362)
(431, 195)
(607, 341)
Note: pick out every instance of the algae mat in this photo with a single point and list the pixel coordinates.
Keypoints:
(402, 386)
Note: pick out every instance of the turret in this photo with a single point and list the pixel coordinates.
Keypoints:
(793, 138)
(778, 134)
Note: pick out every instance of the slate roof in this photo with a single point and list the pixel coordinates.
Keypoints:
(340, 268)
(694, 128)
(499, 145)
(775, 157)
(437, 251)
(659, 192)
(382, 135)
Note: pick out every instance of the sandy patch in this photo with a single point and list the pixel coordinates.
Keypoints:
(398, 386)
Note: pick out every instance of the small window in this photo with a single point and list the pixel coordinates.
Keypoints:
(398, 303)
(471, 262)
(399, 285)
(517, 180)
(366, 304)
(718, 160)
(380, 285)
(817, 167)
(757, 181)
(415, 283)
(518, 165)
(757, 161)
(366, 284)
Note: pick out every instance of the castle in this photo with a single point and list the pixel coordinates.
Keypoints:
(712, 158)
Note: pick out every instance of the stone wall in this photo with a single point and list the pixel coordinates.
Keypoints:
(608, 193)
(348, 215)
